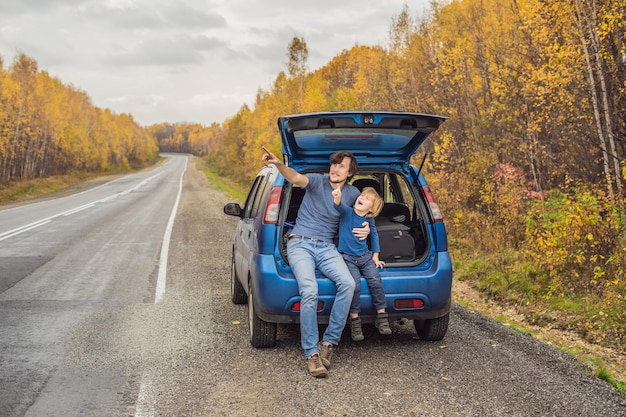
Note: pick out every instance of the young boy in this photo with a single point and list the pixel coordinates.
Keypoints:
(359, 258)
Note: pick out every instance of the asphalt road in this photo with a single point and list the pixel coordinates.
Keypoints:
(64, 262)
(84, 330)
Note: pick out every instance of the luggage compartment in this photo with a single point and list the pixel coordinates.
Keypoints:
(396, 242)
(400, 224)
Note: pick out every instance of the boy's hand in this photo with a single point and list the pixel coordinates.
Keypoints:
(379, 264)
(337, 197)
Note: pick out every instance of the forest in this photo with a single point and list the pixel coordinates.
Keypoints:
(48, 128)
(528, 169)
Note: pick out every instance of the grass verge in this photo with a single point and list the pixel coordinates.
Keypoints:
(235, 191)
(24, 190)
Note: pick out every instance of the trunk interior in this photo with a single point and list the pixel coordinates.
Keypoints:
(401, 223)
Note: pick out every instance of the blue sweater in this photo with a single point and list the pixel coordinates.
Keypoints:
(348, 242)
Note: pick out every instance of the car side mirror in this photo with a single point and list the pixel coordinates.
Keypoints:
(233, 209)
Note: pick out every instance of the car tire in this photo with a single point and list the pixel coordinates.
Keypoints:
(432, 329)
(237, 292)
(262, 333)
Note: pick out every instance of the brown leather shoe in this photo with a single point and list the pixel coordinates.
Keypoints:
(316, 367)
(326, 352)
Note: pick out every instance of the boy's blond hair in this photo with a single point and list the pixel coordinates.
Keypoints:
(376, 199)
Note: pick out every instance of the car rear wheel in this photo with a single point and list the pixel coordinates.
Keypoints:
(262, 333)
(432, 329)
(237, 292)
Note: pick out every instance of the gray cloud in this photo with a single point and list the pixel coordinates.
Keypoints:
(37, 6)
(191, 60)
(135, 16)
(166, 50)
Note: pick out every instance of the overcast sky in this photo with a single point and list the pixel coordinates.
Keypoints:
(185, 60)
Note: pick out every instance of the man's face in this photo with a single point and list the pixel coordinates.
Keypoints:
(340, 172)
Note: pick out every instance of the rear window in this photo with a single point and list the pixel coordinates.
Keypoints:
(351, 139)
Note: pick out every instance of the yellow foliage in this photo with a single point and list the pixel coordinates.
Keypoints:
(48, 128)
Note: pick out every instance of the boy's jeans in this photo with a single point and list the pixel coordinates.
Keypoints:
(304, 256)
(364, 265)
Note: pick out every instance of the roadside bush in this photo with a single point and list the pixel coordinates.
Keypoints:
(485, 213)
(577, 237)
(568, 272)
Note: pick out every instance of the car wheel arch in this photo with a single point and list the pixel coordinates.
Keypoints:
(237, 291)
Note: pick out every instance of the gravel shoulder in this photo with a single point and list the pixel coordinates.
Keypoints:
(204, 364)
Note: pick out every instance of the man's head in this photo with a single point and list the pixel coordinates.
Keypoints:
(370, 202)
(343, 166)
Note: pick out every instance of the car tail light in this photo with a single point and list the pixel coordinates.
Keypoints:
(408, 303)
(434, 207)
(296, 306)
(273, 204)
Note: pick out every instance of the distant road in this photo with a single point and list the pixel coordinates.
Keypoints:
(63, 261)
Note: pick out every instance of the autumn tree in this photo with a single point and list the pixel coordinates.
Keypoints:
(298, 55)
(49, 128)
(597, 24)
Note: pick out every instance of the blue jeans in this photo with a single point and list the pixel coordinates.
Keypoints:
(305, 255)
(365, 265)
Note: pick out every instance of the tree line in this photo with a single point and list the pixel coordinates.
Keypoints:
(50, 128)
(538, 85)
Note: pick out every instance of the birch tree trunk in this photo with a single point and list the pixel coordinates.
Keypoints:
(579, 19)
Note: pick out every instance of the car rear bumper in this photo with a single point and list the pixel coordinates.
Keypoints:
(276, 294)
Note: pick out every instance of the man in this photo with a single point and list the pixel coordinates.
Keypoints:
(311, 246)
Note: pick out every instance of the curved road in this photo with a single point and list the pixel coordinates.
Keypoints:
(82, 335)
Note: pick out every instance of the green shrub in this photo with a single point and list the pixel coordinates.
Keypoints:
(576, 237)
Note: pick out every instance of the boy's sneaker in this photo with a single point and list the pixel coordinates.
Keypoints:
(382, 323)
(316, 367)
(356, 331)
(326, 352)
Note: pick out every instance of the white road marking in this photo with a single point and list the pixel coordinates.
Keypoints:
(165, 248)
(23, 229)
(145, 397)
(30, 226)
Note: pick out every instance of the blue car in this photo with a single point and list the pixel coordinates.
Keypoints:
(417, 277)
